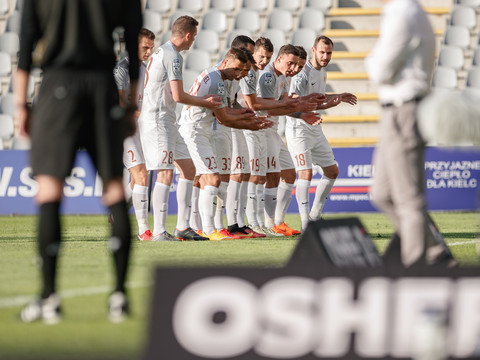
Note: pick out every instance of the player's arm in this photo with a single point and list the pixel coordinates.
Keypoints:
(335, 99)
(211, 102)
(241, 119)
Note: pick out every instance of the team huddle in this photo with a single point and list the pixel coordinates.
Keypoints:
(222, 137)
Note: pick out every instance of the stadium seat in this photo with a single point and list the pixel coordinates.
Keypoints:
(6, 127)
(323, 5)
(476, 57)
(215, 20)
(7, 104)
(256, 5)
(445, 77)
(10, 43)
(473, 77)
(304, 37)
(247, 19)
(227, 6)
(457, 36)
(161, 6)
(277, 37)
(4, 7)
(5, 64)
(312, 19)
(290, 5)
(451, 56)
(13, 22)
(234, 33)
(176, 14)
(20, 143)
(165, 36)
(189, 77)
(463, 16)
(280, 19)
(152, 20)
(193, 6)
(197, 60)
(207, 40)
(471, 3)
(19, 5)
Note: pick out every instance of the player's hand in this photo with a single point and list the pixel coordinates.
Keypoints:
(260, 122)
(348, 98)
(306, 105)
(214, 101)
(319, 98)
(333, 101)
(288, 101)
(311, 118)
(22, 121)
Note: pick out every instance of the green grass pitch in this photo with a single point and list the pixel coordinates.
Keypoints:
(85, 279)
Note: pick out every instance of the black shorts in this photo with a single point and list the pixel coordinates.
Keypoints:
(77, 109)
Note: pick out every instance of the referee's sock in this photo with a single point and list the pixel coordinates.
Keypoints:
(120, 242)
(49, 244)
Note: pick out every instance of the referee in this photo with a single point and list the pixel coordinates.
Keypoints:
(77, 106)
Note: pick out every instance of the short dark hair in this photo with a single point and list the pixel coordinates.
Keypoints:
(242, 41)
(288, 49)
(239, 54)
(324, 39)
(249, 56)
(184, 24)
(144, 32)
(302, 53)
(265, 43)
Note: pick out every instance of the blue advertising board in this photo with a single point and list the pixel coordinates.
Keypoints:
(452, 179)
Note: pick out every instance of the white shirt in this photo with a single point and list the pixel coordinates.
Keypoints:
(403, 58)
(122, 80)
(271, 86)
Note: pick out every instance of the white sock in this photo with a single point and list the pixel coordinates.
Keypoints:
(206, 206)
(194, 214)
(128, 195)
(303, 201)
(231, 202)
(221, 201)
(242, 203)
(284, 197)
(160, 207)
(252, 205)
(184, 202)
(140, 204)
(270, 204)
(323, 189)
(260, 204)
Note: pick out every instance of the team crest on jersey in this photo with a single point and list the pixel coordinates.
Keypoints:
(221, 88)
(299, 78)
(176, 64)
(250, 79)
(268, 79)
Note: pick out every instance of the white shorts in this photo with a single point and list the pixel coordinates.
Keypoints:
(201, 146)
(257, 151)
(223, 144)
(240, 158)
(161, 143)
(308, 146)
(278, 156)
(132, 151)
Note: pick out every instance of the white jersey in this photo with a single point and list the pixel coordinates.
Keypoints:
(122, 80)
(209, 82)
(163, 66)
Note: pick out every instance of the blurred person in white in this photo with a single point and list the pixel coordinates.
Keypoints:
(402, 63)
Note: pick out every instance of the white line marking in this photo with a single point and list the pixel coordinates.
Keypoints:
(464, 242)
(67, 294)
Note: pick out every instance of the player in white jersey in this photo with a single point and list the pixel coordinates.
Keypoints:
(307, 144)
(137, 190)
(196, 129)
(163, 146)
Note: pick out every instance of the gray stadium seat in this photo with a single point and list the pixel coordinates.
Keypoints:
(215, 20)
(152, 20)
(194, 6)
(176, 14)
(463, 16)
(323, 5)
(256, 5)
(227, 6)
(4, 7)
(165, 36)
(445, 77)
(280, 19)
(247, 19)
(451, 56)
(14, 22)
(6, 127)
(161, 6)
(10, 43)
(189, 77)
(312, 19)
(304, 37)
(457, 36)
(472, 3)
(20, 143)
(5, 64)
(277, 37)
(473, 77)
(197, 60)
(234, 33)
(7, 104)
(290, 5)
(207, 40)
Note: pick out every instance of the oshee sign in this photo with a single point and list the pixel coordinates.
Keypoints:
(312, 313)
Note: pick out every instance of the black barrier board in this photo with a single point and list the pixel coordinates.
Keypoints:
(314, 312)
(338, 242)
